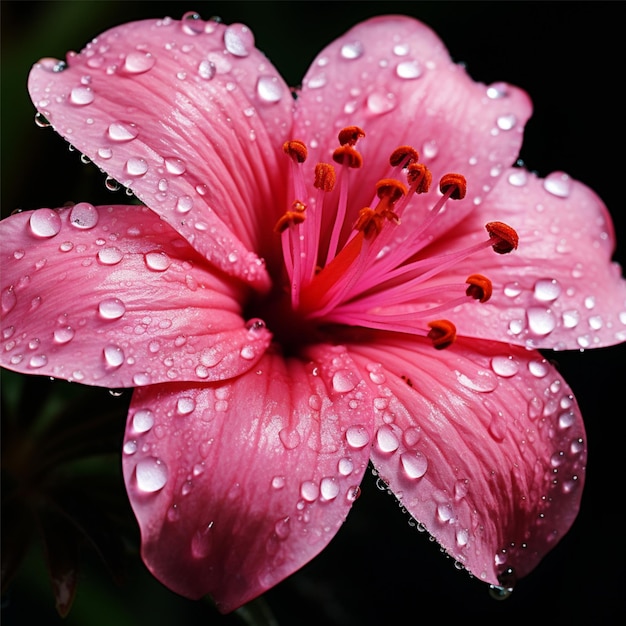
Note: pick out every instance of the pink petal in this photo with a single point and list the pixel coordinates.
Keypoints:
(483, 444)
(190, 116)
(112, 296)
(559, 289)
(393, 77)
(238, 484)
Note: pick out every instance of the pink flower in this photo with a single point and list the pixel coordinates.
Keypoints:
(289, 309)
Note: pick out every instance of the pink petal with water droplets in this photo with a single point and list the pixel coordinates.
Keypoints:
(194, 129)
(490, 452)
(238, 484)
(393, 77)
(112, 296)
(559, 289)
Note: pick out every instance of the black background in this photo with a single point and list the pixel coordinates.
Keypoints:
(570, 57)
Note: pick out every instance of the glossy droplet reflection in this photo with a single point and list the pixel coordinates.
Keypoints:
(151, 475)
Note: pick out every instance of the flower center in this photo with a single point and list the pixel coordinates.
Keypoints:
(365, 271)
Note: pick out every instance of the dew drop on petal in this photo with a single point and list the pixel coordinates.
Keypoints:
(289, 438)
(138, 62)
(157, 261)
(136, 166)
(482, 381)
(309, 491)
(379, 103)
(37, 361)
(352, 50)
(192, 23)
(547, 290)
(414, 464)
(110, 255)
(343, 381)
(63, 335)
(541, 321)
(184, 204)
(81, 95)
(238, 40)
(111, 308)
(329, 489)
(505, 366)
(45, 223)
(122, 131)
(357, 437)
(269, 89)
(151, 475)
(185, 406)
(143, 420)
(206, 69)
(386, 439)
(84, 216)
(409, 69)
(113, 356)
(506, 122)
(558, 184)
(9, 300)
(281, 528)
(278, 482)
(345, 466)
(518, 178)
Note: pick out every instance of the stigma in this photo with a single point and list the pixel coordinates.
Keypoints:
(352, 265)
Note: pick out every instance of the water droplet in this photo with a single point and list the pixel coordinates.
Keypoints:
(81, 96)
(558, 184)
(518, 178)
(136, 166)
(113, 355)
(64, 334)
(9, 299)
(317, 81)
(352, 50)
(122, 131)
(281, 528)
(496, 91)
(238, 40)
(566, 419)
(538, 369)
(379, 103)
(255, 324)
(357, 437)
(130, 447)
(184, 204)
(185, 405)
(192, 23)
(206, 69)
(111, 184)
(110, 255)
(329, 489)
(482, 381)
(345, 466)
(84, 216)
(505, 366)
(157, 261)
(506, 122)
(151, 474)
(343, 381)
(45, 223)
(278, 482)
(461, 488)
(414, 464)
(547, 290)
(143, 420)
(309, 491)
(541, 321)
(289, 438)
(269, 89)
(138, 62)
(111, 308)
(175, 166)
(41, 121)
(386, 439)
(409, 69)
(37, 361)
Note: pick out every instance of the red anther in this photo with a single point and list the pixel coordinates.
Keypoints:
(391, 189)
(504, 238)
(296, 149)
(369, 222)
(324, 177)
(350, 135)
(455, 181)
(403, 155)
(347, 155)
(479, 287)
(442, 333)
(289, 218)
(298, 206)
(419, 174)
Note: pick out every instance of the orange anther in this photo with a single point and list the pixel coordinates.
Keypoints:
(504, 238)
(324, 177)
(298, 206)
(391, 189)
(369, 222)
(296, 149)
(419, 174)
(403, 155)
(290, 218)
(456, 182)
(479, 287)
(347, 155)
(442, 333)
(350, 135)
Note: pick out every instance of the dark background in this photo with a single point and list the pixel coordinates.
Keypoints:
(570, 57)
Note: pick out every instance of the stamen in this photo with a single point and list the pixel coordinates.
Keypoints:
(442, 333)
(390, 189)
(350, 135)
(296, 149)
(370, 222)
(403, 156)
(291, 218)
(419, 177)
(453, 185)
(325, 177)
(503, 238)
(348, 156)
(479, 287)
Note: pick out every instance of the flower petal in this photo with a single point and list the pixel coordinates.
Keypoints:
(559, 289)
(189, 116)
(112, 296)
(484, 445)
(393, 77)
(238, 484)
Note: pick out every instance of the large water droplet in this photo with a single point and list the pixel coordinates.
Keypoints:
(547, 290)
(281, 528)
(111, 308)
(45, 223)
(138, 62)
(506, 122)
(558, 184)
(269, 89)
(239, 40)
(343, 381)
(143, 420)
(151, 474)
(114, 356)
(357, 436)
(84, 216)
(409, 69)
(289, 438)
(157, 261)
(192, 23)
(329, 489)
(541, 321)
(505, 366)
(352, 50)
(81, 95)
(64, 334)
(379, 103)
(110, 255)
(414, 464)
(122, 131)
(386, 439)
(309, 491)
(185, 405)
(206, 69)
(136, 166)
(482, 381)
